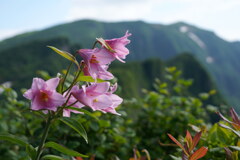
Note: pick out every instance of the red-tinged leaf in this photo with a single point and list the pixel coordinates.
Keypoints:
(187, 148)
(92, 157)
(236, 126)
(184, 156)
(234, 116)
(196, 139)
(225, 119)
(178, 143)
(189, 140)
(201, 152)
(78, 158)
(147, 154)
(228, 153)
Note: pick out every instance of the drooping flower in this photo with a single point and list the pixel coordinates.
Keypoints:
(73, 102)
(116, 46)
(96, 63)
(115, 99)
(43, 94)
(98, 96)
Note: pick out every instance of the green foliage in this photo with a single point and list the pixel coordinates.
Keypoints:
(141, 75)
(144, 123)
(76, 126)
(52, 157)
(164, 110)
(63, 149)
(13, 139)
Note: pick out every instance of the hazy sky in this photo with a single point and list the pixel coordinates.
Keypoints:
(220, 16)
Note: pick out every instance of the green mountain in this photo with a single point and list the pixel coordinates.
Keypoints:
(218, 56)
(132, 76)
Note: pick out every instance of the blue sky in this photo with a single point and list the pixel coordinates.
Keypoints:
(220, 16)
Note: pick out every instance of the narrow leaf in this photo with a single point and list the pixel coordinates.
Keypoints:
(201, 152)
(31, 151)
(65, 54)
(76, 126)
(196, 139)
(105, 44)
(235, 155)
(84, 111)
(13, 139)
(227, 127)
(89, 79)
(178, 143)
(234, 116)
(147, 154)
(63, 149)
(235, 148)
(189, 140)
(228, 153)
(224, 118)
(51, 157)
(175, 158)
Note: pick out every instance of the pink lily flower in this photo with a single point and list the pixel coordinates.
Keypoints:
(43, 94)
(99, 96)
(73, 102)
(115, 99)
(96, 63)
(116, 46)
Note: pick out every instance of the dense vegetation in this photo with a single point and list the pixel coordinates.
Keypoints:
(144, 124)
(160, 100)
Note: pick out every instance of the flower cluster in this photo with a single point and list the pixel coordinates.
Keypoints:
(98, 96)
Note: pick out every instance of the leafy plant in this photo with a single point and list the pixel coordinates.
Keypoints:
(189, 145)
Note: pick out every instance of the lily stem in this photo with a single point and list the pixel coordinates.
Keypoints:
(44, 137)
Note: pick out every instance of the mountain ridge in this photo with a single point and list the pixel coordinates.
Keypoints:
(178, 23)
(22, 69)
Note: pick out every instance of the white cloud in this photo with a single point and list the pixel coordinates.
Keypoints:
(109, 10)
(7, 33)
(220, 16)
(214, 15)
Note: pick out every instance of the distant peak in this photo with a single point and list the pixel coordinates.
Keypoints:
(180, 24)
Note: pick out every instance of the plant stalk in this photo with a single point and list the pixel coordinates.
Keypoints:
(44, 137)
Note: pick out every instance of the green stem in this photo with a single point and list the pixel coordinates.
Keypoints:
(44, 137)
(68, 69)
(95, 43)
(66, 76)
(73, 83)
